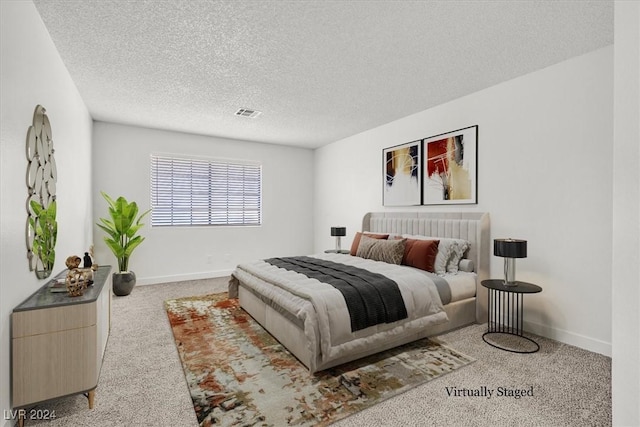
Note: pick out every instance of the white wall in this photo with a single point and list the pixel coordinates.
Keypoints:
(626, 217)
(121, 167)
(558, 120)
(544, 162)
(32, 73)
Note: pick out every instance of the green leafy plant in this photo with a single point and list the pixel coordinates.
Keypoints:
(45, 229)
(121, 228)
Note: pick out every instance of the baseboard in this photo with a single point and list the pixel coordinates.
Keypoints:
(567, 337)
(182, 277)
(571, 338)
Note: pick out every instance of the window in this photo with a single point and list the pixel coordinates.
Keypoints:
(198, 191)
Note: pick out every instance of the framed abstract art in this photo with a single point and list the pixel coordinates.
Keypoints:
(451, 168)
(402, 166)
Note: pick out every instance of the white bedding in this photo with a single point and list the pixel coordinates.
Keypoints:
(322, 311)
(462, 284)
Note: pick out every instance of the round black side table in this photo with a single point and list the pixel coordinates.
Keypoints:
(506, 310)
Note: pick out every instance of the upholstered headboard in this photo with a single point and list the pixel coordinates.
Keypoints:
(471, 226)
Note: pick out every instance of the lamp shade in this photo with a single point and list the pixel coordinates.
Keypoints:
(510, 248)
(339, 231)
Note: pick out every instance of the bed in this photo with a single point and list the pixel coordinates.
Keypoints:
(319, 323)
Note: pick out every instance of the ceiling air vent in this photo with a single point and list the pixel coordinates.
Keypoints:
(246, 112)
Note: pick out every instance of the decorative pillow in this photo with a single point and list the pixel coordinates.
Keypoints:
(467, 265)
(447, 251)
(459, 249)
(420, 254)
(356, 240)
(389, 251)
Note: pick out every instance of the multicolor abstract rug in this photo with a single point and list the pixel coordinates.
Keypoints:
(239, 375)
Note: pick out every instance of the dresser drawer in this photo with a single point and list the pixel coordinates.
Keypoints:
(46, 320)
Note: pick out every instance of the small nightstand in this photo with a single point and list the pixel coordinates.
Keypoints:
(506, 310)
(335, 251)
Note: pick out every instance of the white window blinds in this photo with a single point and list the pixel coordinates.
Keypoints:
(195, 192)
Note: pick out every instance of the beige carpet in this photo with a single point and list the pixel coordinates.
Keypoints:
(142, 383)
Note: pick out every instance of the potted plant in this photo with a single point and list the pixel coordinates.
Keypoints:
(45, 230)
(121, 229)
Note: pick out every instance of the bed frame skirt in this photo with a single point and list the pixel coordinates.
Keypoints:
(471, 226)
(460, 313)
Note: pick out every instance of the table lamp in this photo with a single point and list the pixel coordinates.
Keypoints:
(510, 249)
(338, 232)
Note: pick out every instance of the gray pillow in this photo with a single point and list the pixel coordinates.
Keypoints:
(389, 251)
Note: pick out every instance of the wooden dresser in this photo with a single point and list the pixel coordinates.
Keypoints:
(58, 342)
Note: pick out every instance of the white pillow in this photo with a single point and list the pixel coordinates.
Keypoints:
(467, 265)
(460, 247)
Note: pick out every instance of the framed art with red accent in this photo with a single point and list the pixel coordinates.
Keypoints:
(451, 168)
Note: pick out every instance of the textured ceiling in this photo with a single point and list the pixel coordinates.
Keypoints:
(319, 71)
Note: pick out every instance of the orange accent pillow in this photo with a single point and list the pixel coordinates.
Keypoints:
(356, 240)
(421, 254)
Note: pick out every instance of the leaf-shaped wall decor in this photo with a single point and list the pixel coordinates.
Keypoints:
(42, 226)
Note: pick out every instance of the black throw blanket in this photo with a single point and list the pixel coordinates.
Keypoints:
(371, 297)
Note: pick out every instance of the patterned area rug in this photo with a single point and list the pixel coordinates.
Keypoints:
(239, 375)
